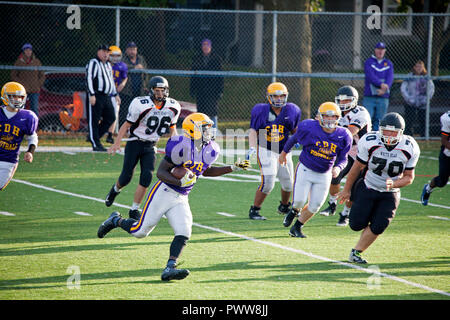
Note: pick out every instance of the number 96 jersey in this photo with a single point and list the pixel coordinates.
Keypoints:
(383, 163)
(150, 122)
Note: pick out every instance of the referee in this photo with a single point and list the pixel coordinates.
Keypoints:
(100, 87)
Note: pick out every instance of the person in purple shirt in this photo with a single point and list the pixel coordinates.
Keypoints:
(324, 155)
(379, 75)
(16, 123)
(120, 75)
(271, 125)
(195, 150)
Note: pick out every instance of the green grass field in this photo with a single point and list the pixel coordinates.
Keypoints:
(43, 242)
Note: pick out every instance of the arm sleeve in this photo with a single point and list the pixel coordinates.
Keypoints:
(90, 72)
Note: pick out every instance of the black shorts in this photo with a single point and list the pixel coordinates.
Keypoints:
(444, 170)
(344, 172)
(372, 208)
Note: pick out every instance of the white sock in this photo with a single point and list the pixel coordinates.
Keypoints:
(116, 189)
(429, 188)
(135, 206)
(346, 211)
(333, 199)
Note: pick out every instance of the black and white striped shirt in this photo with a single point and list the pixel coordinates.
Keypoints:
(99, 78)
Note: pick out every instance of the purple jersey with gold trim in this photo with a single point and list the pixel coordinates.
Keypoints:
(120, 72)
(321, 150)
(12, 131)
(181, 151)
(276, 129)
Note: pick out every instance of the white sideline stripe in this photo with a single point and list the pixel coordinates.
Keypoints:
(439, 218)
(81, 213)
(9, 214)
(226, 214)
(275, 245)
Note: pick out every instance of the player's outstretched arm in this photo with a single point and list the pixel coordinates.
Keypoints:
(345, 194)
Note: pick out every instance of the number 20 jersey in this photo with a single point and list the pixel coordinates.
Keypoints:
(150, 122)
(383, 163)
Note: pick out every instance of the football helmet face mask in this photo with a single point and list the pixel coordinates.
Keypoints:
(346, 93)
(158, 82)
(391, 129)
(199, 127)
(14, 95)
(115, 54)
(277, 94)
(329, 109)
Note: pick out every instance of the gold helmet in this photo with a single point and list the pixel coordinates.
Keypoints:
(329, 109)
(14, 95)
(277, 94)
(198, 127)
(115, 54)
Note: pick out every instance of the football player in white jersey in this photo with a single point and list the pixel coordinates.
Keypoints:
(356, 119)
(441, 180)
(149, 118)
(390, 158)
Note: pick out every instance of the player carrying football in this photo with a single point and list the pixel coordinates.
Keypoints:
(195, 150)
(390, 158)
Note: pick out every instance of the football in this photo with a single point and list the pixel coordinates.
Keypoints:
(179, 172)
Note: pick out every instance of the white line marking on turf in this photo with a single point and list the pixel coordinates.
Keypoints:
(81, 213)
(226, 214)
(439, 218)
(9, 214)
(275, 245)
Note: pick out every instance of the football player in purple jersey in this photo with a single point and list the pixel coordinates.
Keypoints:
(324, 155)
(270, 127)
(16, 123)
(195, 150)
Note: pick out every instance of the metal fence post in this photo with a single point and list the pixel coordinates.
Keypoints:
(118, 26)
(274, 45)
(427, 110)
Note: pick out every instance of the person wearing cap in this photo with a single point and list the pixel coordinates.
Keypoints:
(100, 87)
(136, 84)
(32, 80)
(207, 90)
(379, 75)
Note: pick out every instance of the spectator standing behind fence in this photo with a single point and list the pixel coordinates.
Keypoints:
(120, 74)
(414, 91)
(379, 75)
(207, 90)
(135, 85)
(100, 88)
(32, 80)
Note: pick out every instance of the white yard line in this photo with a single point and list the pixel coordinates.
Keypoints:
(439, 218)
(271, 244)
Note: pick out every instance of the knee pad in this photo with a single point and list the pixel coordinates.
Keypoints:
(378, 228)
(267, 184)
(286, 184)
(356, 225)
(145, 178)
(440, 183)
(298, 205)
(125, 178)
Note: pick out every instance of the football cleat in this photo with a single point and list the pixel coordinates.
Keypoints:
(355, 256)
(284, 208)
(296, 232)
(330, 211)
(254, 214)
(425, 195)
(289, 217)
(343, 220)
(174, 274)
(108, 225)
(112, 194)
(134, 214)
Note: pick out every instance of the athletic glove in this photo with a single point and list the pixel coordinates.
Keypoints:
(240, 165)
(250, 152)
(187, 181)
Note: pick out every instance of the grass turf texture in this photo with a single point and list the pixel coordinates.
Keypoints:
(45, 241)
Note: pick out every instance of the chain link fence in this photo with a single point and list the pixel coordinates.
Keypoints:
(312, 53)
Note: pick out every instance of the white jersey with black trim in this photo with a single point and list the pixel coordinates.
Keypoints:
(150, 122)
(383, 163)
(445, 129)
(360, 118)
